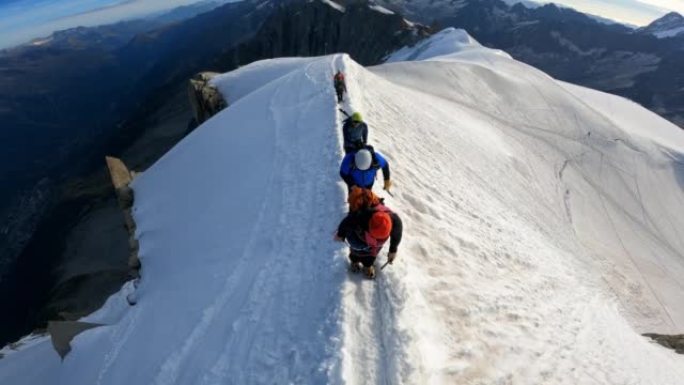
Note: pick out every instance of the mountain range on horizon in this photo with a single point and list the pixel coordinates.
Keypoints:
(574, 47)
(668, 26)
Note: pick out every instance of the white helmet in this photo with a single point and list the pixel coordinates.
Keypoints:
(363, 159)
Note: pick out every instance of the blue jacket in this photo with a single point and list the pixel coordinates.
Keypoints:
(355, 177)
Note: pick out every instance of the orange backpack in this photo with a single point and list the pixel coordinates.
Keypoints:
(361, 198)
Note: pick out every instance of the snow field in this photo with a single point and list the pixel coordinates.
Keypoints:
(273, 319)
(489, 232)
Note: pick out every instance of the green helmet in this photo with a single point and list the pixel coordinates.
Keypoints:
(356, 117)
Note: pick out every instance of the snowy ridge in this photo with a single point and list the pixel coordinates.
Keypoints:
(243, 81)
(450, 43)
(541, 236)
(527, 3)
(381, 9)
(669, 33)
(335, 5)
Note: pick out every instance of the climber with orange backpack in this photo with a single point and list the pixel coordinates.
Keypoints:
(362, 198)
(367, 227)
(340, 85)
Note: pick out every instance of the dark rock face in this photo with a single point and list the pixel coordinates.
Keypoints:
(315, 28)
(571, 46)
(21, 217)
(674, 342)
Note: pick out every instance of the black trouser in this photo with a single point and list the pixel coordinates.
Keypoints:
(366, 260)
(340, 94)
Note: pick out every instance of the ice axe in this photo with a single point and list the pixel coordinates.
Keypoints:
(386, 263)
(344, 112)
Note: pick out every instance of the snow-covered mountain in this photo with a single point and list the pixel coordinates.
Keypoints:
(526, 3)
(569, 45)
(542, 235)
(669, 25)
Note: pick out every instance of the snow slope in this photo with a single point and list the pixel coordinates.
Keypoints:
(541, 236)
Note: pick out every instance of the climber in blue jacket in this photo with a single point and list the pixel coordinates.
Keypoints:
(359, 168)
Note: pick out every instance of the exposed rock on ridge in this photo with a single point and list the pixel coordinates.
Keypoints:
(121, 179)
(205, 99)
(675, 342)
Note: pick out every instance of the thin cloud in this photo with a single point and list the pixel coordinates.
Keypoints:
(98, 10)
(668, 5)
(25, 20)
(638, 12)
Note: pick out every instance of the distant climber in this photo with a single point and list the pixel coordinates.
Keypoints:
(360, 168)
(354, 132)
(366, 230)
(340, 85)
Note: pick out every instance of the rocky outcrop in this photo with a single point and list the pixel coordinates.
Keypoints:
(121, 179)
(206, 100)
(62, 332)
(674, 342)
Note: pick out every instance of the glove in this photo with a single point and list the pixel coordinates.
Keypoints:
(337, 238)
(390, 257)
(388, 185)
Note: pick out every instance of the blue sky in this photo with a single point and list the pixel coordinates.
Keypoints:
(23, 20)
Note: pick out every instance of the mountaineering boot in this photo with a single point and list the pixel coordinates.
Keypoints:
(355, 267)
(369, 271)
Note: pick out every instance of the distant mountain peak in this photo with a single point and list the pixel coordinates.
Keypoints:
(670, 25)
(669, 20)
(672, 15)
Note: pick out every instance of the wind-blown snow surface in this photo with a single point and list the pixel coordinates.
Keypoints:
(541, 236)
